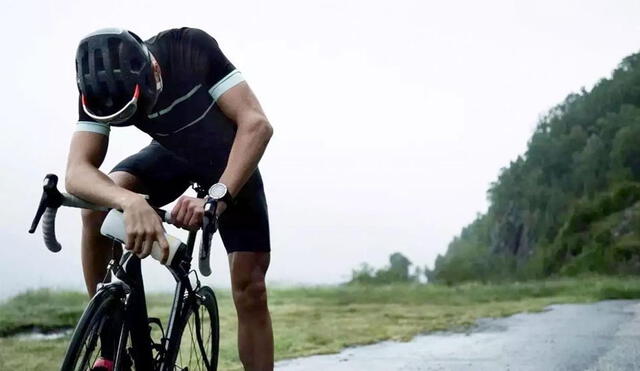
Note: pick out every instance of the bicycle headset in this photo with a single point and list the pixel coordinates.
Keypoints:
(116, 72)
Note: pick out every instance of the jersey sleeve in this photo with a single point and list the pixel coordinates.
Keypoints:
(219, 73)
(85, 123)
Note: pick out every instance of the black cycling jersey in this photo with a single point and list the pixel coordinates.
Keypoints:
(192, 138)
(186, 119)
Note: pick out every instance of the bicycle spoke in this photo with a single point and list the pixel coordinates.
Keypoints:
(203, 351)
(208, 342)
(95, 359)
(210, 337)
(192, 342)
(195, 348)
(88, 348)
(198, 338)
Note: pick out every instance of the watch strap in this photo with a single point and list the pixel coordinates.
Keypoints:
(228, 199)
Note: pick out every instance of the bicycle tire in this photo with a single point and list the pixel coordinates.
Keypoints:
(209, 332)
(105, 308)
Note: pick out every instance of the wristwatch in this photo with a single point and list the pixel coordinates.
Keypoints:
(219, 192)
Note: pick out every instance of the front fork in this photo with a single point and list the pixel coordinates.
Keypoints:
(185, 298)
(136, 320)
(136, 325)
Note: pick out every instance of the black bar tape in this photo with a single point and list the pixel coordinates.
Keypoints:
(49, 229)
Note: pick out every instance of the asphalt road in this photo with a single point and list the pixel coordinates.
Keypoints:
(599, 336)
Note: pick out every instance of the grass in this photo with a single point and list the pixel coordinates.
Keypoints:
(318, 320)
(43, 309)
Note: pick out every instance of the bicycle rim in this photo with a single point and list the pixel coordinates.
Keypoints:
(94, 335)
(199, 344)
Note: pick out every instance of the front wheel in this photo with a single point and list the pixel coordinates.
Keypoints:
(200, 335)
(96, 334)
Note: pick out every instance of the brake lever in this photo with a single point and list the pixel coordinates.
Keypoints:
(41, 208)
(209, 228)
(51, 198)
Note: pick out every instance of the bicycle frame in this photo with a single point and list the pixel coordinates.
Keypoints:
(129, 286)
(136, 324)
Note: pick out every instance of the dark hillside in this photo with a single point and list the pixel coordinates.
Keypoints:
(567, 205)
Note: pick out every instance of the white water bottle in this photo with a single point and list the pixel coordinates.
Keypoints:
(114, 227)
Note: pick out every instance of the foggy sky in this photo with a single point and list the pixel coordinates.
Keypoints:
(391, 118)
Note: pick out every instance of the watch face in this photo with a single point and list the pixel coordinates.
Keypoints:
(217, 191)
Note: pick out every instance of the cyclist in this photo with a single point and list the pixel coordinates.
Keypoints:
(206, 126)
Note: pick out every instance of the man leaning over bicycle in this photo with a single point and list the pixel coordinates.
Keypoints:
(206, 126)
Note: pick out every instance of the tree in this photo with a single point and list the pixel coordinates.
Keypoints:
(396, 271)
(399, 266)
(591, 166)
(625, 153)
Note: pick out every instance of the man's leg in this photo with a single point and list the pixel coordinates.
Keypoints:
(255, 336)
(95, 248)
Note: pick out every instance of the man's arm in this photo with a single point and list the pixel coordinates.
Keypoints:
(85, 180)
(239, 104)
(253, 134)
(254, 131)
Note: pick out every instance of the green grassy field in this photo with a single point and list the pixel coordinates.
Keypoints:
(318, 320)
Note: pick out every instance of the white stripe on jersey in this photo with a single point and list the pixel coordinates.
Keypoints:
(93, 127)
(227, 82)
(189, 124)
(181, 99)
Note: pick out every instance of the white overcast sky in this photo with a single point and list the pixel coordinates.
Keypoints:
(391, 118)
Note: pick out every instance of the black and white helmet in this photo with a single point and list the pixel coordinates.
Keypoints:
(114, 68)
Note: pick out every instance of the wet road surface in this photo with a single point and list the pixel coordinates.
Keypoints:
(594, 337)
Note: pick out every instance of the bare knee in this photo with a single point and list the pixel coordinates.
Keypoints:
(250, 296)
(92, 219)
(128, 181)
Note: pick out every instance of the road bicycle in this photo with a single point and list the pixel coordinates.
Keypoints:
(115, 324)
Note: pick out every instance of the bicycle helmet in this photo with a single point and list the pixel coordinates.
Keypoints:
(115, 73)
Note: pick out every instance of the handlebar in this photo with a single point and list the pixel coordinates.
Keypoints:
(52, 199)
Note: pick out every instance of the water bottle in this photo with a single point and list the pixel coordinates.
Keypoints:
(114, 227)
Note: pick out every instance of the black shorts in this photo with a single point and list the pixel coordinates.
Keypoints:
(165, 176)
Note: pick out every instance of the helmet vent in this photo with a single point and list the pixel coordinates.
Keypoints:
(114, 52)
(85, 61)
(98, 60)
(85, 64)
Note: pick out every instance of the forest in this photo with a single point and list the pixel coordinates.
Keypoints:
(570, 204)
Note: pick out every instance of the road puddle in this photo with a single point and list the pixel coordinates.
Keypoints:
(37, 334)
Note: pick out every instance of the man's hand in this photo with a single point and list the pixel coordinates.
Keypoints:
(143, 227)
(188, 213)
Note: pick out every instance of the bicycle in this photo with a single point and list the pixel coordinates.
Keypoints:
(116, 322)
